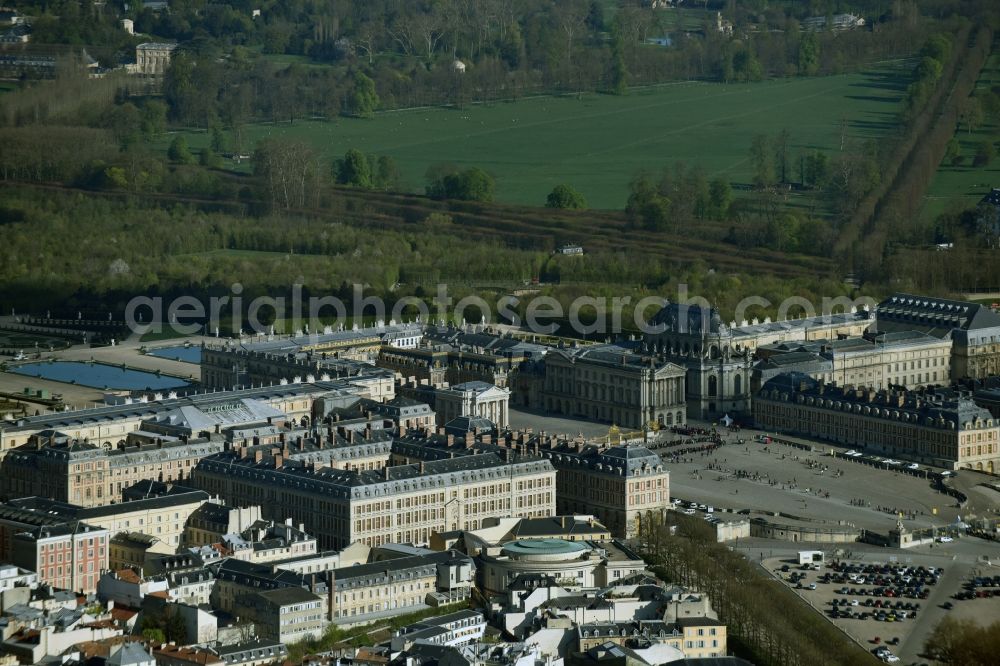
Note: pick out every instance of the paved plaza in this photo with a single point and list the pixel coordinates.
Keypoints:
(521, 418)
(813, 485)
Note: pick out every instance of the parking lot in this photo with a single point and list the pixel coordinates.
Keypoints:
(878, 604)
(892, 602)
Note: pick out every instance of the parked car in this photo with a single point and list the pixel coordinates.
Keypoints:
(945, 539)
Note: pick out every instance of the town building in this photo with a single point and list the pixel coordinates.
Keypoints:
(12, 576)
(163, 517)
(621, 484)
(944, 429)
(269, 359)
(451, 355)
(974, 330)
(152, 59)
(256, 652)
(66, 555)
(286, 615)
(285, 606)
(178, 655)
(908, 359)
(108, 426)
(402, 413)
(394, 585)
(612, 383)
(458, 628)
(498, 531)
(404, 503)
(717, 358)
(693, 637)
(573, 564)
(210, 522)
(82, 473)
(135, 549)
(268, 541)
(126, 587)
(475, 399)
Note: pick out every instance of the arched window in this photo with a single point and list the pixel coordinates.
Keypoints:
(713, 386)
(738, 384)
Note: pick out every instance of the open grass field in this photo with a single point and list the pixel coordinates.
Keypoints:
(597, 143)
(956, 188)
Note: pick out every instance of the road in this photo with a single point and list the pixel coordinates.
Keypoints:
(957, 568)
(931, 613)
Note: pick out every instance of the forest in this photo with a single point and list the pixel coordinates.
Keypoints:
(78, 151)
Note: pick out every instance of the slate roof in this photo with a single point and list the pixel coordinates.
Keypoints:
(64, 510)
(129, 654)
(616, 356)
(460, 425)
(354, 483)
(255, 649)
(61, 421)
(400, 567)
(286, 596)
(567, 525)
(934, 316)
(947, 409)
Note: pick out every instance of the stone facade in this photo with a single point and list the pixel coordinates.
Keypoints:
(718, 358)
(89, 476)
(907, 359)
(613, 384)
(404, 503)
(974, 330)
(153, 58)
(946, 430)
(477, 399)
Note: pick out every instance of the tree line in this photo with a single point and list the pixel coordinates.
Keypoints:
(234, 66)
(762, 616)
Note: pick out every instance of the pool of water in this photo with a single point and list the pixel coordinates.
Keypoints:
(98, 375)
(190, 354)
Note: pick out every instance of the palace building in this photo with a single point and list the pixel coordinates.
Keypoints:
(972, 329)
(944, 429)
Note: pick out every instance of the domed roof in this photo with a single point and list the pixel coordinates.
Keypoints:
(544, 548)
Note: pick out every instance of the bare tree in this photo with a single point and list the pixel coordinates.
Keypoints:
(369, 35)
(431, 27)
(570, 17)
(289, 169)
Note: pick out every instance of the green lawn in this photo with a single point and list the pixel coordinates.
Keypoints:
(597, 143)
(961, 187)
